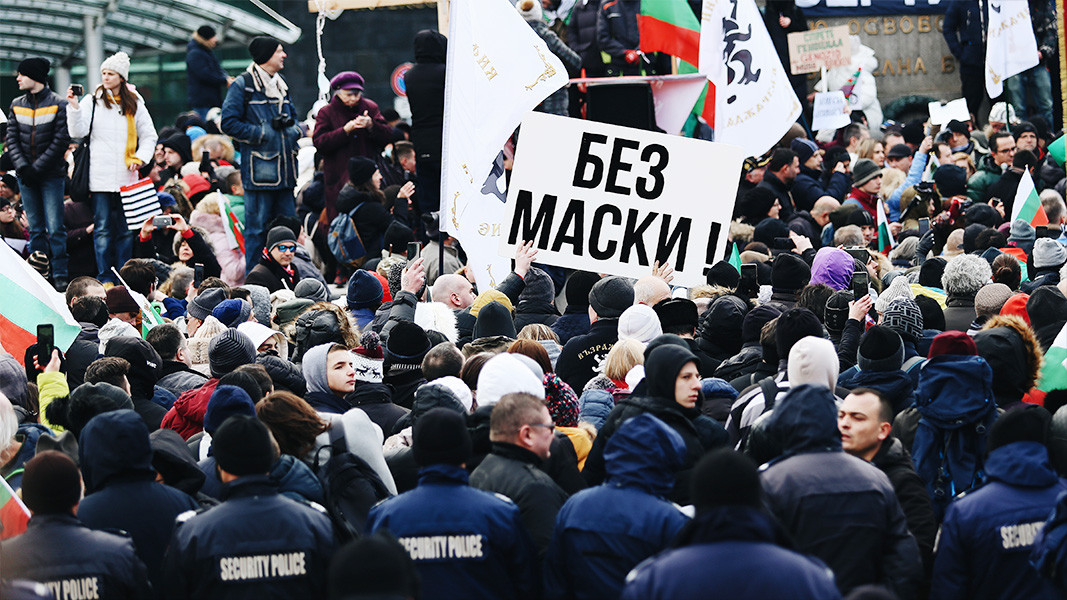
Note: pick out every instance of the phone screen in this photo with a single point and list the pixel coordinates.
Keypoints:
(198, 275)
(859, 285)
(413, 251)
(924, 225)
(748, 283)
(45, 343)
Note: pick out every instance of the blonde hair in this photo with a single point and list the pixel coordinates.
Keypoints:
(891, 180)
(537, 332)
(971, 169)
(213, 141)
(867, 147)
(623, 356)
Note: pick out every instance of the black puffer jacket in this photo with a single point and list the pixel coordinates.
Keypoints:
(37, 134)
(425, 84)
(896, 463)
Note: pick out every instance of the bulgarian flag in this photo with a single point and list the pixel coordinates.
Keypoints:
(13, 513)
(669, 26)
(1054, 372)
(885, 238)
(149, 316)
(231, 223)
(1027, 203)
(26, 301)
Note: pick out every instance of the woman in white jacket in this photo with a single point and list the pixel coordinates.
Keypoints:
(123, 140)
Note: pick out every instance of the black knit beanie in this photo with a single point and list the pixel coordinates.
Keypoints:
(1023, 423)
(440, 437)
(51, 484)
(229, 350)
(789, 273)
(242, 446)
(262, 48)
(881, 349)
(578, 286)
(36, 68)
(794, 324)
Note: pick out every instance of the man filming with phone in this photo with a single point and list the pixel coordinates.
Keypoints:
(170, 239)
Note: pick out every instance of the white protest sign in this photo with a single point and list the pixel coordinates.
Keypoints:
(830, 111)
(611, 199)
(941, 114)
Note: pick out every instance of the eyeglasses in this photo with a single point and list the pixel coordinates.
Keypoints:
(10, 207)
(286, 247)
(545, 425)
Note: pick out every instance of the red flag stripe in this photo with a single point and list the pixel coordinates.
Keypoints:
(661, 36)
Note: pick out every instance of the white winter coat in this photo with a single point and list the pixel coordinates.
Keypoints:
(107, 147)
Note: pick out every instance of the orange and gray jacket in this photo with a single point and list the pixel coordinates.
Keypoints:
(37, 133)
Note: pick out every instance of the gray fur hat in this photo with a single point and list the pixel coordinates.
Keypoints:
(965, 274)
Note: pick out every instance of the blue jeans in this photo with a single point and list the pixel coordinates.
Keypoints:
(1032, 86)
(43, 203)
(260, 207)
(112, 240)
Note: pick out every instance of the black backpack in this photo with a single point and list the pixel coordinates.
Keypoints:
(350, 486)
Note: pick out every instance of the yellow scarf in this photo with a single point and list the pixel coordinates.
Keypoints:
(131, 135)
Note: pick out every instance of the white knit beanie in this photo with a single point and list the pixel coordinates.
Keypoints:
(898, 288)
(119, 63)
(639, 322)
(504, 374)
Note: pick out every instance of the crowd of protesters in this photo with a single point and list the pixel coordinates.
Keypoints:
(848, 412)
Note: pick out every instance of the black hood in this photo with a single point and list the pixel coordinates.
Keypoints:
(721, 324)
(145, 365)
(175, 462)
(114, 443)
(662, 368)
(1005, 352)
(430, 47)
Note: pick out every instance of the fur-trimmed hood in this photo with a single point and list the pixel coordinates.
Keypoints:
(1012, 350)
(438, 317)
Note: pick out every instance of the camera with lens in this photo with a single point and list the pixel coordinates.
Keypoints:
(282, 121)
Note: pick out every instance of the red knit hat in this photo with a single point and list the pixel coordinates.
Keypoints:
(952, 342)
(386, 297)
(196, 183)
(1016, 305)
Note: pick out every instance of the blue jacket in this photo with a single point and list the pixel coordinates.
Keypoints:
(463, 540)
(964, 31)
(955, 399)
(268, 155)
(294, 479)
(913, 176)
(985, 541)
(204, 75)
(808, 187)
(896, 386)
(58, 550)
(739, 553)
(28, 434)
(120, 487)
(604, 532)
(257, 544)
(837, 507)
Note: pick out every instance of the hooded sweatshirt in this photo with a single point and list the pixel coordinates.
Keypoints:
(121, 491)
(832, 267)
(319, 395)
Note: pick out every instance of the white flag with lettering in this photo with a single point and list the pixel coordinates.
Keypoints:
(498, 70)
(1010, 44)
(754, 103)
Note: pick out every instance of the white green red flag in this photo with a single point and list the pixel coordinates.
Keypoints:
(669, 26)
(1054, 372)
(1027, 204)
(149, 317)
(235, 236)
(13, 513)
(26, 301)
(885, 237)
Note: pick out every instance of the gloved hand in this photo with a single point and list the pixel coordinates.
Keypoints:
(632, 56)
(27, 173)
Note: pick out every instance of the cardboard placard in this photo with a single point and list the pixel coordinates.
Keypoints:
(941, 114)
(830, 111)
(824, 47)
(611, 199)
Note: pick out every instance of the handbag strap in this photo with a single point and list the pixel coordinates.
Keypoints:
(92, 117)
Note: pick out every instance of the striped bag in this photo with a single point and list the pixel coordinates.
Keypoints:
(139, 202)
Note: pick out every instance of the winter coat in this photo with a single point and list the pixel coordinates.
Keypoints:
(187, 415)
(211, 549)
(203, 74)
(363, 439)
(808, 187)
(740, 553)
(77, 217)
(1040, 277)
(985, 542)
(116, 464)
(989, 172)
(529, 312)
(335, 146)
(837, 507)
(616, 28)
(572, 323)
(27, 435)
(896, 463)
(160, 245)
(84, 350)
(37, 133)
(582, 34)
(595, 406)
(375, 399)
(107, 146)
(603, 532)
(964, 30)
(425, 85)
(231, 261)
(178, 378)
(515, 473)
(371, 218)
(271, 275)
(492, 554)
(580, 357)
(957, 408)
(719, 330)
(959, 313)
(700, 433)
(61, 552)
(268, 155)
(294, 479)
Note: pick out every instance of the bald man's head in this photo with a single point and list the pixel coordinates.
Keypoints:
(651, 289)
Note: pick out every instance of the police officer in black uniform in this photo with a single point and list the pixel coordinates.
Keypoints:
(57, 550)
(257, 544)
